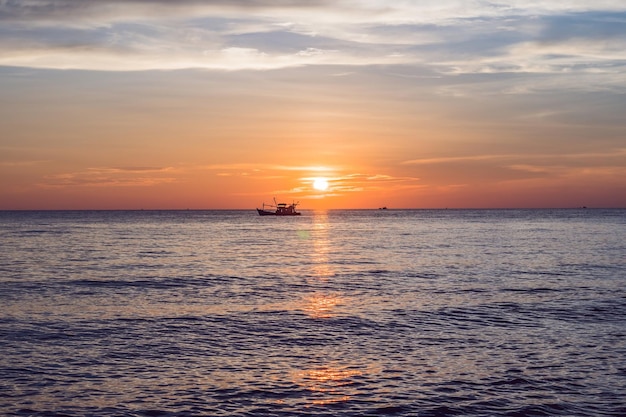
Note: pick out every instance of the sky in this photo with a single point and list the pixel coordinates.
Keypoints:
(158, 104)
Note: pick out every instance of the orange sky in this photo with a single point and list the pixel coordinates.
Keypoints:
(405, 106)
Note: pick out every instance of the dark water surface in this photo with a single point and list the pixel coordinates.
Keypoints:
(339, 313)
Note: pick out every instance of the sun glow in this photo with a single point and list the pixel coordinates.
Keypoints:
(320, 184)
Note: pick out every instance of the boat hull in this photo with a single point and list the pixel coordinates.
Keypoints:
(273, 213)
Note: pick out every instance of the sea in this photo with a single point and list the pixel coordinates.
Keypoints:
(331, 313)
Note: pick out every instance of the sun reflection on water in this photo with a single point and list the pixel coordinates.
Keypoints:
(327, 382)
(320, 306)
(321, 247)
(331, 383)
(322, 303)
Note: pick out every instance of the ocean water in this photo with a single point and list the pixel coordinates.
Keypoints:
(337, 313)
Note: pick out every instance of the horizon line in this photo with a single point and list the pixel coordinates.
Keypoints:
(319, 209)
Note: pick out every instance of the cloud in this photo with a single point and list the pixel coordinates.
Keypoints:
(502, 168)
(110, 177)
(269, 167)
(14, 164)
(452, 159)
(341, 181)
(615, 155)
(450, 36)
(110, 10)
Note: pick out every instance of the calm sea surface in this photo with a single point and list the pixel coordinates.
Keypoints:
(338, 313)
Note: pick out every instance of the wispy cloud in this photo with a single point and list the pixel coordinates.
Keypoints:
(14, 164)
(344, 183)
(268, 167)
(341, 181)
(111, 177)
(616, 155)
(502, 168)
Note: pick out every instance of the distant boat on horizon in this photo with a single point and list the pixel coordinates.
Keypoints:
(281, 209)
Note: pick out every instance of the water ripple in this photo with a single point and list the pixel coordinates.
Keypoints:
(416, 313)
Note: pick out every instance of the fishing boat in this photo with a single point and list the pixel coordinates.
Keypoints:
(280, 209)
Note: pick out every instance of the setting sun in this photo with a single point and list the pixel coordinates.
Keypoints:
(320, 184)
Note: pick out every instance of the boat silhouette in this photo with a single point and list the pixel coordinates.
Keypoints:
(280, 209)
